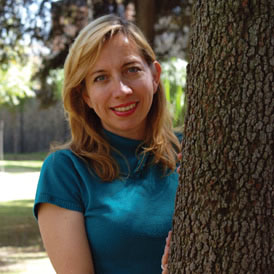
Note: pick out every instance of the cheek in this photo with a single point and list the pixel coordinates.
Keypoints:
(145, 85)
(152, 85)
(89, 102)
(90, 98)
(98, 100)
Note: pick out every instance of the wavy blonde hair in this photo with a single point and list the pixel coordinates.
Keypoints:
(87, 140)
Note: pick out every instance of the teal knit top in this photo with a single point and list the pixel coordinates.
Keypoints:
(128, 219)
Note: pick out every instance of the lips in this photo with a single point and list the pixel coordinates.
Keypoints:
(125, 109)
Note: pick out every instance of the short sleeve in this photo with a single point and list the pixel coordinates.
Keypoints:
(179, 135)
(59, 182)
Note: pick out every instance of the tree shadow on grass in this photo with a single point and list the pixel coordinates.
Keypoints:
(18, 225)
(19, 234)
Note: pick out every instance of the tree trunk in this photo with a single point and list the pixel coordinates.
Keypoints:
(1, 143)
(146, 17)
(22, 128)
(223, 220)
(15, 131)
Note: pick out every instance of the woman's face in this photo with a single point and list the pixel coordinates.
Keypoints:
(120, 87)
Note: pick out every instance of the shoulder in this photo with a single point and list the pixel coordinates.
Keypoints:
(62, 153)
(62, 156)
(62, 160)
(60, 181)
(63, 168)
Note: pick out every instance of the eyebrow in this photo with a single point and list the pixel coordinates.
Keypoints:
(130, 63)
(96, 72)
(104, 71)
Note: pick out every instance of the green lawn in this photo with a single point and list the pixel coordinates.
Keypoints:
(21, 248)
(22, 162)
(35, 156)
(18, 226)
(20, 239)
(20, 166)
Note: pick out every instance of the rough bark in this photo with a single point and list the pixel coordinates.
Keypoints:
(223, 221)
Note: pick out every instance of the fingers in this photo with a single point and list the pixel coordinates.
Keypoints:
(168, 239)
(165, 256)
(164, 269)
(179, 156)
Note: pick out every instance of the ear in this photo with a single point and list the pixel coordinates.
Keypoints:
(156, 73)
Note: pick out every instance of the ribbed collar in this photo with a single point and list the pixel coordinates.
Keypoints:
(122, 143)
(128, 148)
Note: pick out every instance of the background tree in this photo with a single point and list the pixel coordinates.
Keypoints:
(53, 25)
(15, 89)
(223, 220)
(21, 23)
(69, 17)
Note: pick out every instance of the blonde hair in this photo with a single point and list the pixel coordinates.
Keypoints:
(87, 140)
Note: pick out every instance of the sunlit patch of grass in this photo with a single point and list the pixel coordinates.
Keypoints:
(20, 166)
(16, 260)
(20, 240)
(22, 162)
(30, 164)
(21, 248)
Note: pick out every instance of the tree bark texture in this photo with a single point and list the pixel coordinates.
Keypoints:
(223, 220)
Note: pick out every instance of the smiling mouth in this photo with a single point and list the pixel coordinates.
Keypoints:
(126, 108)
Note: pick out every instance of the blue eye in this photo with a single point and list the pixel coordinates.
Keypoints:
(133, 69)
(100, 78)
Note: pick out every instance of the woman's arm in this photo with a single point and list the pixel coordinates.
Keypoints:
(168, 239)
(64, 237)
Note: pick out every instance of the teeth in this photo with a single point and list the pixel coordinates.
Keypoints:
(127, 108)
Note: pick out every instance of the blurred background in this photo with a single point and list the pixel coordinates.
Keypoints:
(35, 38)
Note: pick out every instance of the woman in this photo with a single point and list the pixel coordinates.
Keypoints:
(105, 199)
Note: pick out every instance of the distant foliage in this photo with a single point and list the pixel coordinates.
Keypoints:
(174, 79)
(55, 80)
(15, 84)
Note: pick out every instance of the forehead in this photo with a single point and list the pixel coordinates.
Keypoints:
(122, 41)
(117, 50)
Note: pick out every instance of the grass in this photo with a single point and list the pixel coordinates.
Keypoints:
(21, 248)
(20, 239)
(35, 156)
(26, 162)
(18, 226)
(20, 166)
(23, 260)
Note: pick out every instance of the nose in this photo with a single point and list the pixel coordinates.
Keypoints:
(122, 88)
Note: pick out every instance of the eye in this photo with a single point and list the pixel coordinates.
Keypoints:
(100, 78)
(133, 69)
